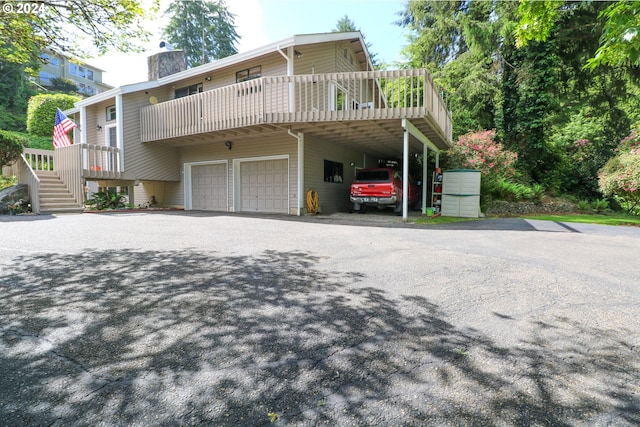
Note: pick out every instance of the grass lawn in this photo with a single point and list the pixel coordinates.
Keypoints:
(442, 219)
(603, 219)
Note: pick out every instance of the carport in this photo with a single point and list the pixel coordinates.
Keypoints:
(382, 139)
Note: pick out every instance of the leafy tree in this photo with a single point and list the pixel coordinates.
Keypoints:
(61, 25)
(11, 147)
(15, 91)
(529, 92)
(41, 113)
(619, 42)
(459, 43)
(204, 29)
(528, 101)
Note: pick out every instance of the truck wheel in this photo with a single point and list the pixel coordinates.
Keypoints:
(363, 209)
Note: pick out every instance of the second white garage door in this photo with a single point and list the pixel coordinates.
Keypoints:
(264, 186)
(209, 187)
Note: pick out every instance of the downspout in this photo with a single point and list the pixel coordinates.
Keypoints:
(300, 137)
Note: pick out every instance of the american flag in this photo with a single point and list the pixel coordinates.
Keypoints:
(62, 126)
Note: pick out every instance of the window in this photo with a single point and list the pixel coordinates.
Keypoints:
(89, 74)
(249, 74)
(50, 60)
(73, 69)
(189, 90)
(373, 175)
(111, 113)
(333, 171)
(111, 138)
(45, 78)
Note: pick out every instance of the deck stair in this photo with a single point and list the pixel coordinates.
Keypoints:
(54, 195)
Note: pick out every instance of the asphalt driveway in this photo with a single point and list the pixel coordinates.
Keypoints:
(176, 318)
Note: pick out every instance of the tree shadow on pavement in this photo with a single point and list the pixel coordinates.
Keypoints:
(186, 337)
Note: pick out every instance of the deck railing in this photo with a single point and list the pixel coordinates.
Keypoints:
(369, 95)
(85, 160)
(101, 162)
(39, 160)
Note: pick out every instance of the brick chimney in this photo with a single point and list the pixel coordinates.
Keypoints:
(165, 63)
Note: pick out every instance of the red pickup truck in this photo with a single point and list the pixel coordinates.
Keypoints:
(381, 187)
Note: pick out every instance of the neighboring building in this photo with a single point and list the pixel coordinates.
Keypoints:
(254, 132)
(87, 77)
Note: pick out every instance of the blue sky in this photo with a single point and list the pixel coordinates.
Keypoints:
(260, 22)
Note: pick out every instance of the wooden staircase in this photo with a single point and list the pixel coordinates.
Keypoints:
(54, 195)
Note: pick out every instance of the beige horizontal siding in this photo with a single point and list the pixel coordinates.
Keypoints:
(274, 144)
(345, 58)
(333, 197)
(144, 161)
(272, 64)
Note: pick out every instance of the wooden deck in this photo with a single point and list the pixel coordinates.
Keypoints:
(354, 103)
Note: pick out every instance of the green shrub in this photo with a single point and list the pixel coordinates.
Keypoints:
(584, 205)
(7, 181)
(109, 199)
(600, 205)
(40, 142)
(503, 189)
(620, 176)
(11, 147)
(41, 113)
(538, 192)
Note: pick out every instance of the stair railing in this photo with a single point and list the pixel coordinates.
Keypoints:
(26, 175)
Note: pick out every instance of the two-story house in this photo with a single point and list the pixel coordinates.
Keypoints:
(254, 132)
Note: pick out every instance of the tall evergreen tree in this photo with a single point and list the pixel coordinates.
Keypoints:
(204, 29)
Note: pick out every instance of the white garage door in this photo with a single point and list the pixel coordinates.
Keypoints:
(264, 186)
(209, 187)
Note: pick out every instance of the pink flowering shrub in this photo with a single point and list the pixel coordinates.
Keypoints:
(478, 150)
(630, 143)
(620, 176)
